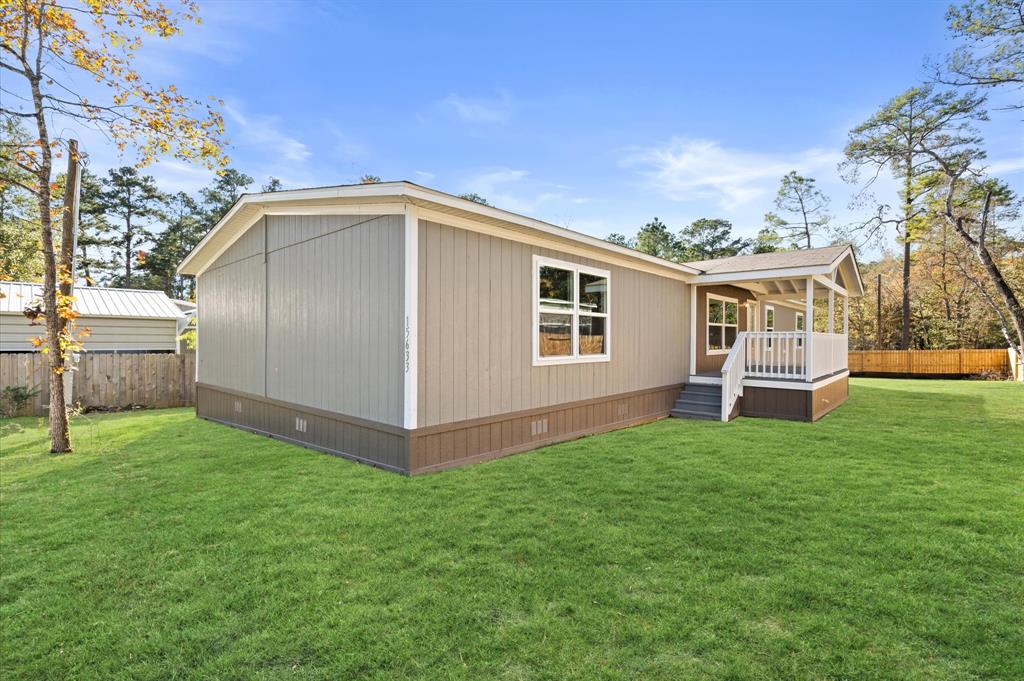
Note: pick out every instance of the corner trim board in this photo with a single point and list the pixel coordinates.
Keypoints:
(411, 317)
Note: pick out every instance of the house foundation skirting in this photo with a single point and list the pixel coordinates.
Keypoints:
(437, 447)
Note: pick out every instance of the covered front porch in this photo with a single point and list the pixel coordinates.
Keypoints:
(768, 332)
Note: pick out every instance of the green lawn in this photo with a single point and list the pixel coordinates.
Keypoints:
(885, 541)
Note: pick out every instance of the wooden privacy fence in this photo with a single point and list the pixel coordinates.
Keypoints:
(108, 380)
(959, 362)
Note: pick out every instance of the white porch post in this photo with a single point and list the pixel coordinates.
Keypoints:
(832, 307)
(809, 329)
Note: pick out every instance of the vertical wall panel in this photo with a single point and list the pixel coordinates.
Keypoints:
(231, 315)
(478, 362)
(335, 311)
(315, 321)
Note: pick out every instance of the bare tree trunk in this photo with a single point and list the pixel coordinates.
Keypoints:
(60, 432)
(68, 240)
(1002, 287)
(878, 312)
(905, 331)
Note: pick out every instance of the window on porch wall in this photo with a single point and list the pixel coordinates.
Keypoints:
(723, 315)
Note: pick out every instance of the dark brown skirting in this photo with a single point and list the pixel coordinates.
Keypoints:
(437, 447)
(378, 444)
(795, 405)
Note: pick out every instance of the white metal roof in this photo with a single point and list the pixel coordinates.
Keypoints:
(95, 301)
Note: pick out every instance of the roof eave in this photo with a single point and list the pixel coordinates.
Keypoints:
(194, 265)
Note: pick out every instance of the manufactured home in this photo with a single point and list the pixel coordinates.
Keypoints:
(119, 320)
(416, 331)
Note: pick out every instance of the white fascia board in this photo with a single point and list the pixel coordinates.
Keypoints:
(761, 275)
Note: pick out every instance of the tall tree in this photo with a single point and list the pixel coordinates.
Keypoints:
(892, 140)
(20, 249)
(271, 185)
(94, 231)
(475, 198)
(991, 49)
(185, 227)
(709, 238)
(766, 241)
(219, 196)
(47, 51)
(804, 208)
(970, 204)
(136, 203)
(654, 238)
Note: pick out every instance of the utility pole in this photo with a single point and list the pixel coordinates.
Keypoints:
(68, 246)
(878, 313)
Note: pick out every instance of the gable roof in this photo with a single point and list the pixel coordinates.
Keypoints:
(772, 261)
(95, 301)
(368, 199)
(837, 261)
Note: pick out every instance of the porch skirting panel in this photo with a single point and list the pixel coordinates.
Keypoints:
(434, 448)
(796, 405)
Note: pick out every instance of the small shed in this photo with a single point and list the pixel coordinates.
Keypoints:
(119, 320)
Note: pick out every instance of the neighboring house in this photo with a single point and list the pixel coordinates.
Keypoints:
(416, 331)
(119, 320)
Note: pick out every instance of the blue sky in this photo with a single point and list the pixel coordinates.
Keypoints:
(592, 116)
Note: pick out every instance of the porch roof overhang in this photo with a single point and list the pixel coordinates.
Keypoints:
(831, 269)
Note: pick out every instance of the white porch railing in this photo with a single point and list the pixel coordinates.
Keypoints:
(776, 354)
(830, 354)
(780, 355)
(733, 372)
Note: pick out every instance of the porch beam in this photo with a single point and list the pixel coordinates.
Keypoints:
(831, 285)
(762, 275)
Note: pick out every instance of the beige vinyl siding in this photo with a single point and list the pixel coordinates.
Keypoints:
(106, 333)
(231, 298)
(336, 307)
(316, 321)
(476, 326)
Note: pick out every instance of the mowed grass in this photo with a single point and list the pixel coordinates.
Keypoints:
(884, 542)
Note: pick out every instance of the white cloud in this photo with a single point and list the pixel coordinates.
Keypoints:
(264, 132)
(512, 189)
(480, 109)
(346, 146)
(692, 169)
(424, 176)
(1006, 166)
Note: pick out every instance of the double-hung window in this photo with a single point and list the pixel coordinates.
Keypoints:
(723, 323)
(570, 303)
(799, 327)
(769, 320)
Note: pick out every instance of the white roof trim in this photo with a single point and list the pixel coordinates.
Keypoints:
(196, 262)
(802, 272)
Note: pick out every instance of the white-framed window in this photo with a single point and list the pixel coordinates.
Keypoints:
(723, 318)
(799, 327)
(571, 304)
(769, 320)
